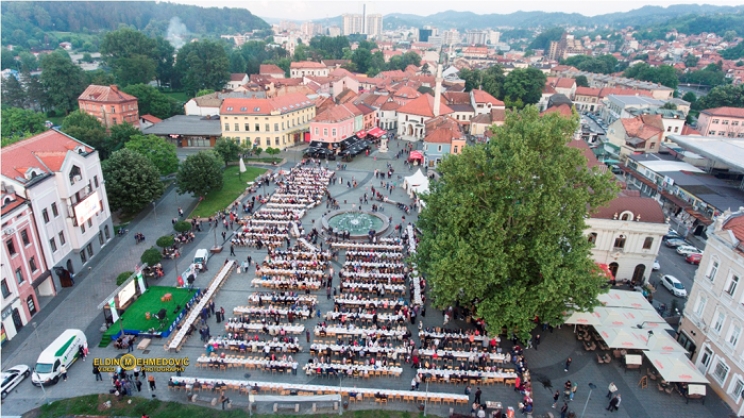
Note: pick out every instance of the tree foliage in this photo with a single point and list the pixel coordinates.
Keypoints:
(712, 75)
(330, 47)
(132, 181)
(727, 95)
(200, 173)
(151, 256)
(118, 136)
(524, 85)
(165, 241)
(581, 81)
(63, 81)
(603, 64)
(18, 124)
(202, 65)
(503, 228)
(542, 41)
(228, 149)
(160, 152)
(86, 128)
(152, 101)
(13, 93)
(664, 75)
(131, 55)
(182, 226)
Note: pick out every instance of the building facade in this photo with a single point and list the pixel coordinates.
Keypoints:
(62, 180)
(278, 122)
(722, 121)
(25, 275)
(335, 123)
(109, 105)
(305, 68)
(713, 319)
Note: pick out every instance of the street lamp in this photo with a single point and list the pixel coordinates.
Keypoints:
(340, 396)
(592, 386)
(426, 398)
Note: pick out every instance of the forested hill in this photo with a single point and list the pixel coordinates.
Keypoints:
(95, 16)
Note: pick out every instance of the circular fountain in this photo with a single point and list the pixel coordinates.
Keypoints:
(358, 223)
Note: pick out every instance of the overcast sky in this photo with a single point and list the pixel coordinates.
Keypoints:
(317, 9)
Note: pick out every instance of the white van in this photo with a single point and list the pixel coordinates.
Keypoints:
(63, 351)
(201, 259)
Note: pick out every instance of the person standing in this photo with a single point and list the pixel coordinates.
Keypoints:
(568, 364)
(97, 372)
(564, 410)
(537, 341)
(614, 404)
(151, 381)
(611, 390)
(232, 253)
(478, 393)
(63, 372)
(573, 391)
(556, 395)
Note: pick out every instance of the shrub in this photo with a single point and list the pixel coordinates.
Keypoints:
(165, 241)
(182, 226)
(151, 256)
(122, 277)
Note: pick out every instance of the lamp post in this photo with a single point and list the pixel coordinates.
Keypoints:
(340, 397)
(41, 385)
(592, 386)
(154, 210)
(426, 398)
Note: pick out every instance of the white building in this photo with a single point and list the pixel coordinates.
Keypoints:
(627, 235)
(61, 177)
(713, 319)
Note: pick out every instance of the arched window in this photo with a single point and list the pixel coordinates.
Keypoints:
(620, 242)
(648, 243)
(626, 216)
(593, 237)
(75, 174)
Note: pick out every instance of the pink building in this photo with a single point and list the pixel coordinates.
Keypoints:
(336, 123)
(25, 275)
(722, 121)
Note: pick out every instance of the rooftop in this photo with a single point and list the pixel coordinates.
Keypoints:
(732, 112)
(186, 125)
(307, 64)
(728, 151)
(647, 208)
(41, 154)
(635, 100)
(424, 106)
(283, 104)
(107, 94)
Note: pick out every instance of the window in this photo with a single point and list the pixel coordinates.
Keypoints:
(711, 132)
(720, 372)
(95, 181)
(45, 215)
(455, 150)
(89, 247)
(62, 240)
(700, 305)
(19, 275)
(276, 141)
(55, 212)
(53, 245)
(725, 122)
(316, 130)
(333, 132)
(439, 148)
(32, 264)
(106, 232)
(714, 121)
(237, 127)
(713, 270)
(113, 109)
(718, 324)
(227, 127)
(90, 222)
(737, 388)
(11, 247)
(247, 127)
(268, 127)
(24, 237)
(100, 238)
(733, 337)
(6, 290)
(620, 242)
(593, 238)
(731, 286)
(257, 127)
(325, 131)
(648, 243)
(653, 145)
(276, 127)
(676, 129)
(31, 305)
(721, 133)
(627, 216)
(735, 123)
(83, 258)
(82, 229)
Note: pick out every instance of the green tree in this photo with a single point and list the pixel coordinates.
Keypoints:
(87, 58)
(165, 241)
(7, 59)
(118, 136)
(511, 214)
(729, 35)
(524, 84)
(665, 74)
(131, 55)
(228, 149)
(86, 128)
(154, 102)
(200, 173)
(362, 58)
(542, 41)
(159, 151)
(202, 65)
(28, 61)
(237, 62)
(132, 181)
(727, 95)
(182, 226)
(203, 92)
(13, 93)
(691, 61)
(581, 81)
(164, 59)
(63, 81)
(18, 124)
(122, 277)
(273, 151)
(99, 77)
(151, 256)
(689, 97)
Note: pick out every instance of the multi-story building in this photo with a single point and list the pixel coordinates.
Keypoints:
(618, 107)
(109, 105)
(374, 25)
(270, 70)
(362, 23)
(566, 47)
(336, 123)
(713, 319)
(305, 68)
(278, 122)
(444, 136)
(25, 276)
(722, 121)
(352, 23)
(450, 37)
(62, 180)
(476, 37)
(637, 135)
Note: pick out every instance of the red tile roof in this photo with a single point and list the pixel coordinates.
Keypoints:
(643, 126)
(591, 159)
(562, 109)
(46, 152)
(238, 76)
(307, 64)
(454, 97)
(390, 106)
(337, 113)
(407, 92)
(735, 224)
(588, 91)
(424, 106)
(688, 130)
(284, 104)
(565, 83)
(648, 209)
(107, 94)
(442, 130)
(481, 96)
(152, 119)
(269, 69)
(14, 203)
(731, 112)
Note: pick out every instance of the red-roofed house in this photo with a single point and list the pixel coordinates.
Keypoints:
(271, 70)
(61, 179)
(413, 115)
(237, 80)
(336, 123)
(387, 115)
(405, 94)
(147, 121)
(304, 68)
(444, 136)
(109, 105)
(637, 135)
(278, 122)
(722, 121)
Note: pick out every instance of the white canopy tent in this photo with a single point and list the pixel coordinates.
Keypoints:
(624, 299)
(417, 183)
(675, 367)
(639, 339)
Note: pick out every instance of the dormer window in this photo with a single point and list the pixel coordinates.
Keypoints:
(75, 174)
(32, 172)
(626, 216)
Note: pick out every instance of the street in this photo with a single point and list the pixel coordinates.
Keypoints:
(675, 265)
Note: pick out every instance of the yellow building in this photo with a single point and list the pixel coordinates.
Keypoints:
(279, 122)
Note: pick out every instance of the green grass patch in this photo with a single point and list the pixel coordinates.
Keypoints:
(267, 160)
(134, 317)
(232, 187)
(90, 405)
(178, 96)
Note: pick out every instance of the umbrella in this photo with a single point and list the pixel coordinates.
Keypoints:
(624, 299)
(638, 318)
(625, 338)
(585, 318)
(663, 343)
(675, 367)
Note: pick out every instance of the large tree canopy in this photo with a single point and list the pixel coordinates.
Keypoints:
(161, 152)
(132, 181)
(152, 101)
(200, 173)
(86, 128)
(18, 124)
(203, 65)
(504, 226)
(63, 81)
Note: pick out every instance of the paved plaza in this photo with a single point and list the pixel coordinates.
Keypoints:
(76, 308)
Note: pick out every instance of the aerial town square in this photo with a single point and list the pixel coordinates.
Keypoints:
(322, 208)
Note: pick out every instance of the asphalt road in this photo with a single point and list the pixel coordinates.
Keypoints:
(675, 265)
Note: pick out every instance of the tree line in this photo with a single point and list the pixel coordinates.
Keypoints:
(519, 88)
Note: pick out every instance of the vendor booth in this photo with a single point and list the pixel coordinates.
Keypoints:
(416, 158)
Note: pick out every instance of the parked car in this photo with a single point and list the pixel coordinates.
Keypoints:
(656, 266)
(672, 234)
(694, 258)
(674, 286)
(13, 376)
(674, 243)
(688, 249)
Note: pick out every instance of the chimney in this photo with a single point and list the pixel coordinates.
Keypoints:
(438, 91)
